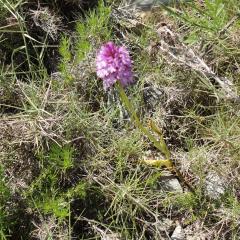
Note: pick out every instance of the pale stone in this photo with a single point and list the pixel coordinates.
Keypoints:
(214, 185)
(178, 233)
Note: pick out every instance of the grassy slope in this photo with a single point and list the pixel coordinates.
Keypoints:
(69, 164)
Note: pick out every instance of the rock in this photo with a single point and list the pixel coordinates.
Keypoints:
(112, 236)
(214, 185)
(178, 233)
(146, 5)
(170, 184)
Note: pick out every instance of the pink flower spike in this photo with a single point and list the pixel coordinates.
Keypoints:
(114, 63)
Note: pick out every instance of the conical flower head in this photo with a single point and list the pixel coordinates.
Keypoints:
(114, 63)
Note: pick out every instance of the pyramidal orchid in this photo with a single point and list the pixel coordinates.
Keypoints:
(114, 64)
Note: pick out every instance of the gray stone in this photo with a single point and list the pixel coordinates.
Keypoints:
(178, 233)
(112, 236)
(214, 185)
(146, 5)
(170, 184)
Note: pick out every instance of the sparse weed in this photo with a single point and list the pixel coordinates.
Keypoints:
(4, 197)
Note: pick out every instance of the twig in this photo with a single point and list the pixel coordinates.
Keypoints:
(228, 25)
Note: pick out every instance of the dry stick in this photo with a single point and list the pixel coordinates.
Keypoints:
(228, 25)
(186, 56)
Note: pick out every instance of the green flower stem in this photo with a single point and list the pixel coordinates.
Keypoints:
(161, 145)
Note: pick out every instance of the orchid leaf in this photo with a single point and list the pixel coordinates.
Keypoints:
(158, 163)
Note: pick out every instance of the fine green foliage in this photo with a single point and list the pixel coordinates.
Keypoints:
(61, 157)
(64, 50)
